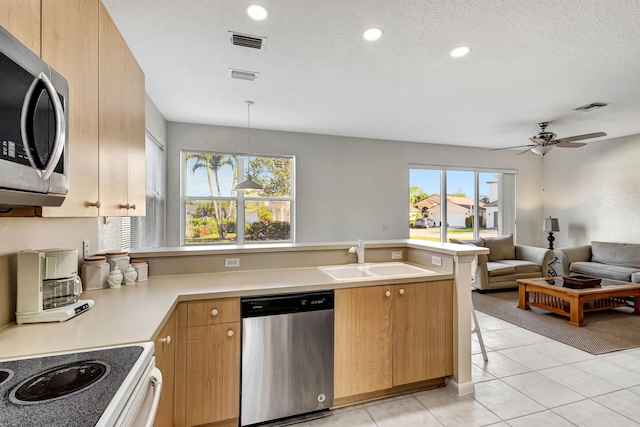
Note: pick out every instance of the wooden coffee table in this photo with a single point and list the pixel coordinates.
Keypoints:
(549, 294)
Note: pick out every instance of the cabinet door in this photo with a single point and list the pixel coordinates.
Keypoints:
(213, 373)
(363, 342)
(70, 45)
(121, 125)
(22, 19)
(420, 331)
(165, 352)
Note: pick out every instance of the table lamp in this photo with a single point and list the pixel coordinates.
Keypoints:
(549, 225)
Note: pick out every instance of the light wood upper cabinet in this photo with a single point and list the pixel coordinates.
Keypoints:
(363, 345)
(70, 46)
(22, 19)
(121, 124)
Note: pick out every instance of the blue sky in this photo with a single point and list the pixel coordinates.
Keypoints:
(429, 181)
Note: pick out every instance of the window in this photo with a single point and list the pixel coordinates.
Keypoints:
(478, 203)
(212, 209)
(149, 231)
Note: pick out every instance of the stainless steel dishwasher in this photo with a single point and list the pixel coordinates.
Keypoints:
(287, 356)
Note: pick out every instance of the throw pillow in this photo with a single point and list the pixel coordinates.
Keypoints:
(478, 242)
(500, 247)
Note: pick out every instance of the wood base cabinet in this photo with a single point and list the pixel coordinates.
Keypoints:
(165, 352)
(212, 389)
(392, 336)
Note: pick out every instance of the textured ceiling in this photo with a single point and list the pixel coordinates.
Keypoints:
(530, 61)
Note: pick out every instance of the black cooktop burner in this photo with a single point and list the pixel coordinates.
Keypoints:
(81, 407)
(58, 382)
(5, 375)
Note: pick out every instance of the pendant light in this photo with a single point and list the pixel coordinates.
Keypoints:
(248, 184)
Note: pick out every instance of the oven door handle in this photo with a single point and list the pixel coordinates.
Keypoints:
(61, 130)
(156, 383)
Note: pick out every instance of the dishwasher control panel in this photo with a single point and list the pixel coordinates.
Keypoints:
(267, 305)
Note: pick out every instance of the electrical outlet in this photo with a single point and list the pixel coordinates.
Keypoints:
(436, 260)
(86, 253)
(232, 262)
(396, 255)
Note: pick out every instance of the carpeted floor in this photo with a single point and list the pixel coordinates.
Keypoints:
(605, 331)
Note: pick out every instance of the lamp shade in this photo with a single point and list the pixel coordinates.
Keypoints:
(550, 225)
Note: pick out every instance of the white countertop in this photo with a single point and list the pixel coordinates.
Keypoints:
(136, 313)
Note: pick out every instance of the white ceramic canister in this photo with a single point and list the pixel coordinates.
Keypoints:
(118, 259)
(95, 272)
(142, 268)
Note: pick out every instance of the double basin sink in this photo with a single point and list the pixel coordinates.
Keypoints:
(371, 271)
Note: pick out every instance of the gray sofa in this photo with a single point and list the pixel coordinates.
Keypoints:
(611, 260)
(507, 262)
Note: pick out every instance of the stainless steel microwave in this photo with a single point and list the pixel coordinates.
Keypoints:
(34, 146)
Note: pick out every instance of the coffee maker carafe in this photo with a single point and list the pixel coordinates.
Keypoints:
(49, 286)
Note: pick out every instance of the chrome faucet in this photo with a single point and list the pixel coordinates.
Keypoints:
(359, 251)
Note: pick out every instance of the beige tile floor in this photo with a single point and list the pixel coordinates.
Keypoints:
(529, 380)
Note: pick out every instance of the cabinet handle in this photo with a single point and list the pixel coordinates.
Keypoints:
(128, 206)
(96, 204)
(230, 333)
(132, 207)
(401, 291)
(387, 294)
(166, 340)
(215, 312)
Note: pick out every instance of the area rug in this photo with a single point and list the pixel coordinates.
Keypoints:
(605, 331)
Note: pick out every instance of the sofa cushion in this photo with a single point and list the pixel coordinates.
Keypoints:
(500, 247)
(614, 272)
(635, 277)
(499, 269)
(522, 266)
(622, 254)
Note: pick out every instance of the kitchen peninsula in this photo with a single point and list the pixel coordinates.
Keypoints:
(182, 276)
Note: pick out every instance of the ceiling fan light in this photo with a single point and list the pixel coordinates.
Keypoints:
(542, 149)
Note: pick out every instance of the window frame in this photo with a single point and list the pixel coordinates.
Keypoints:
(240, 198)
(505, 226)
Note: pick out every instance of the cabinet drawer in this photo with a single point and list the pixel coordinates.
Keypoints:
(166, 338)
(211, 312)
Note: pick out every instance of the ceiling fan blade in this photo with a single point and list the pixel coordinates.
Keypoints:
(507, 148)
(581, 137)
(524, 151)
(565, 144)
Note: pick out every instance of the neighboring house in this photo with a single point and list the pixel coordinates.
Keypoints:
(458, 209)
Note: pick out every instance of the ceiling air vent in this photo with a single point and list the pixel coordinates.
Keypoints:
(246, 40)
(251, 76)
(592, 106)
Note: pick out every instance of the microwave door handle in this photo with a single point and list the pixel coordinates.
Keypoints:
(58, 113)
(26, 111)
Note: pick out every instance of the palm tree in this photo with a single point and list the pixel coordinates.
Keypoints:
(213, 163)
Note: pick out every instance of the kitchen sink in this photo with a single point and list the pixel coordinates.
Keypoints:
(371, 271)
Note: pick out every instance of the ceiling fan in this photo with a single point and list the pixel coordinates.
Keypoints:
(544, 141)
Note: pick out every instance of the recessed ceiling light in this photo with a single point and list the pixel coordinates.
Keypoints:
(372, 34)
(257, 12)
(459, 52)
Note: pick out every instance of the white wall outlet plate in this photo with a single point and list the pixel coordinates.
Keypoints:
(436, 260)
(396, 255)
(86, 252)
(232, 262)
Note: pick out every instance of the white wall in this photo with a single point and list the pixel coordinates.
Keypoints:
(351, 188)
(594, 191)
